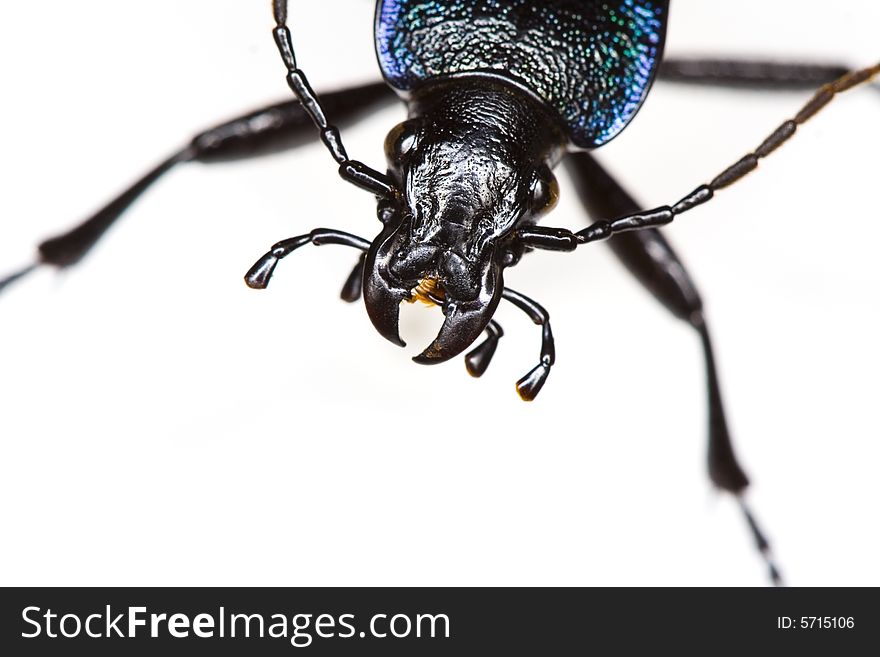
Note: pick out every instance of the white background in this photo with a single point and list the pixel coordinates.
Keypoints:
(163, 424)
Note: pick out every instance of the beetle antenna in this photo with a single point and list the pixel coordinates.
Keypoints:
(279, 8)
(664, 214)
(353, 171)
(761, 542)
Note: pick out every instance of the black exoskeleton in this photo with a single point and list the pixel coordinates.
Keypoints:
(498, 94)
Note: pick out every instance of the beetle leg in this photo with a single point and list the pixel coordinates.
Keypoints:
(266, 130)
(478, 358)
(530, 385)
(651, 259)
(258, 276)
(749, 74)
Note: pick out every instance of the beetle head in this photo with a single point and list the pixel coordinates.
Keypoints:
(450, 234)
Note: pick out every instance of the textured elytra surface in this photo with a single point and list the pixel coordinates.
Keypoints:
(591, 61)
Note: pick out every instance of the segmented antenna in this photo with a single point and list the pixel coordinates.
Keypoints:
(664, 214)
(353, 171)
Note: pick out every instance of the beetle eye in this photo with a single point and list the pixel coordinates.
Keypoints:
(545, 192)
(400, 141)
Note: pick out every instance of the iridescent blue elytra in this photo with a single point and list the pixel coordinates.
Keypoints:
(591, 60)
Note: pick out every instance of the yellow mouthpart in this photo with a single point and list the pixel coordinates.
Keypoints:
(428, 291)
